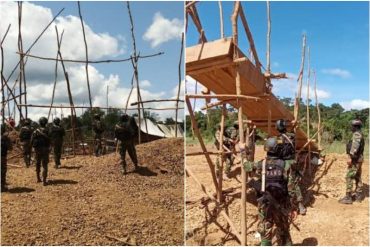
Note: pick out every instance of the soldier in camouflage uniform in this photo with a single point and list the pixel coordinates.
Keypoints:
(57, 133)
(6, 145)
(25, 137)
(355, 150)
(274, 202)
(40, 141)
(126, 132)
(227, 142)
(232, 134)
(98, 129)
(288, 155)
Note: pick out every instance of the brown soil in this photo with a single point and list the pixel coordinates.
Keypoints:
(326, 223)
(89, 202)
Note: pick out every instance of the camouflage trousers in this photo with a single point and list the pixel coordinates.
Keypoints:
(293, 180)
(268, 216)
(57, 146)
(354, 175)
(27, 151)
(42, 158)
(228, 161)
(3, 171)
(98, 146)
(128, 146)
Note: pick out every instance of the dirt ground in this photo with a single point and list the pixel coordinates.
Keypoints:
(89, 202)
(326, 223)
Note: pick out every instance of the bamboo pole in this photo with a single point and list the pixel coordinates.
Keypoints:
(227, 218)
(20, 49)
(203, 146)
(221, 20)
(318, 114)
(86, 52)
(243, 224)
(6, 33)
(179, 86)
(308, 110)
(2, 85)
(59, 44)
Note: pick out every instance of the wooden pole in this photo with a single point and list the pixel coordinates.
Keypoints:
(203, 146)
(59, 44)
(87, 54)
(20, 49)
(179, 87)
(73, 113)
(103, 108)
(37, 39)
(308, 110)
(268, 69)
(243, 224)
(221, 156)
(250, 38)
(129, 95)
(300, 80)
(221, 20)
(227, 218)
(2, 86)
(318, 114)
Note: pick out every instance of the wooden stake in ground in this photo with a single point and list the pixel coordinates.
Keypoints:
(221, 156)
(242, 143)
(318, 114)
(179, 86)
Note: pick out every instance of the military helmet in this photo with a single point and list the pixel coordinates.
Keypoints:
(356, 122)
(97, 116)
(124, 117)
(56, 121)
(43, 121)
(27, 121)
(270, 144)
(281, 125)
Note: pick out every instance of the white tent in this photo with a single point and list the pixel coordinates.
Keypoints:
(170, 130)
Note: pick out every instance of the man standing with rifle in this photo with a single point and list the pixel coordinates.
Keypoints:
(41, 143)
(355, 151)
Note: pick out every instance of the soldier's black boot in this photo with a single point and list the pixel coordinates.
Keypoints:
(44, 176)
(302, 209)
(359, 196)
(38, 177)
(347, 199)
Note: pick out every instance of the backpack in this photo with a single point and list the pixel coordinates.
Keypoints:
(276, 183)
(40, 138)
(25, 133)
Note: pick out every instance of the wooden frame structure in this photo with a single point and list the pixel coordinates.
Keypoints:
(20, 100)
(235, 79)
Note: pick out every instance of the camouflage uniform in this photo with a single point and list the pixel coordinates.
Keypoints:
(40, 141)
(294, 174)
(355, 149)
(232, 134)
(98, 129)
(6, 145)
(57, 133)
(25, 137)
(227, 158)
(126, 133)
(274, 202)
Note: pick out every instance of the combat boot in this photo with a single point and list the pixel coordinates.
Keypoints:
(347, 199)
(38, 178)
(359, 196)
(302, 209)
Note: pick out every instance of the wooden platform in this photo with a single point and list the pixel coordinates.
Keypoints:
(212, 65)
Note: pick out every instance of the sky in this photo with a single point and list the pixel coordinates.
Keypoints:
(157, 26)
(337, 34)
